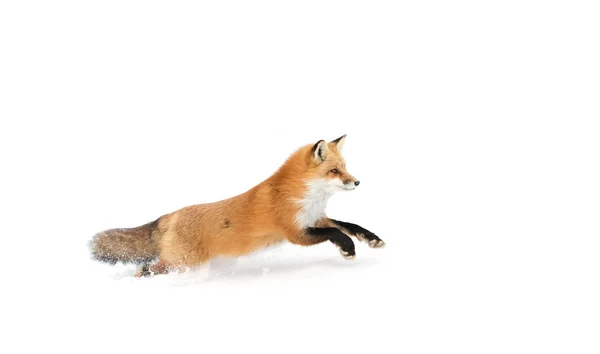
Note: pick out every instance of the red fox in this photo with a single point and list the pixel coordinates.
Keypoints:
(289, 205)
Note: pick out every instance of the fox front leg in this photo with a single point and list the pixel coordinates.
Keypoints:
(359, 232)
(337, 237)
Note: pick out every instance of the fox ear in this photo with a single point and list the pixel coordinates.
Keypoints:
(319, 151)
(339, 142)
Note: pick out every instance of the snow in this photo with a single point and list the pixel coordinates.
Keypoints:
(473, 128)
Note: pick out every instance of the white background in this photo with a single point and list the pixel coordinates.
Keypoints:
(472, 125)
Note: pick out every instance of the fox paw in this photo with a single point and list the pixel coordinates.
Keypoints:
(378, 243)
(144, 271)
(348, 254)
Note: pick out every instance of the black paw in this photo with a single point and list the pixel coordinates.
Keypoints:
(348, 254)
(347, 248)
(376, 243)
(368, 236)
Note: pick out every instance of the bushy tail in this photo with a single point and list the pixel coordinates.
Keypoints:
(134, 245)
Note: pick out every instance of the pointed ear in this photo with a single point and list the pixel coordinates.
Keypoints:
(339, 142)
(319, 151)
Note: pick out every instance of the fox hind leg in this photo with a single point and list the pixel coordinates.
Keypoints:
(160, 267)
(144, 271)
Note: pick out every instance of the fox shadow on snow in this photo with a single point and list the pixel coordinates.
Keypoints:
(259, 268)
(250, 267)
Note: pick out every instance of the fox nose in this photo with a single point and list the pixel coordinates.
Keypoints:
(356, 183)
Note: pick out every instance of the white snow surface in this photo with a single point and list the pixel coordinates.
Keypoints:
(472, 126)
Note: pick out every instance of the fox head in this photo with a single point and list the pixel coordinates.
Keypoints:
(327, 166)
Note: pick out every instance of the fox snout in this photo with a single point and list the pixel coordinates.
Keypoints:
(350, 184)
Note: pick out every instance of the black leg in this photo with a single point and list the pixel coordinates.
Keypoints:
(360, 232)
(337, 237)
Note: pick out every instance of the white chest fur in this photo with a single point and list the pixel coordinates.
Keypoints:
(314, 202)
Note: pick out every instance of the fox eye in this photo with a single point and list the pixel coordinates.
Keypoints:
(335, 171)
